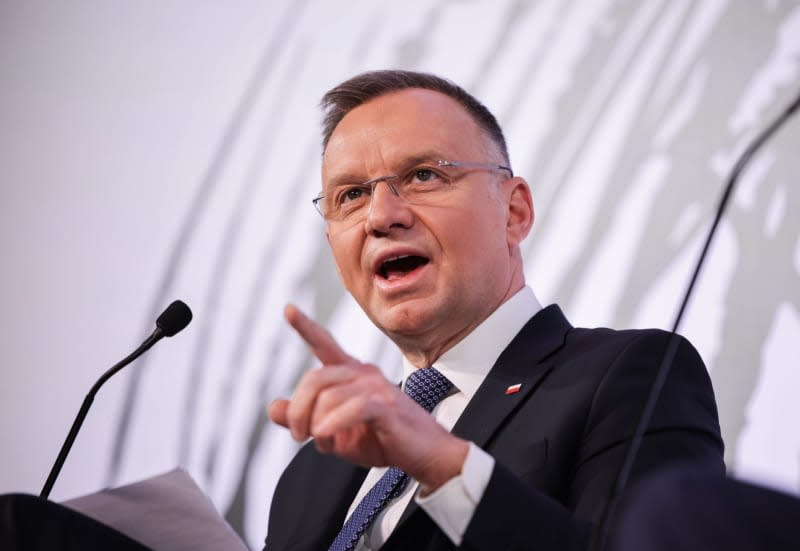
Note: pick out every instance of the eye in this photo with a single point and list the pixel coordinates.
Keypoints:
(423, 178)
(424, 174)
(350, 194)
(426, 178)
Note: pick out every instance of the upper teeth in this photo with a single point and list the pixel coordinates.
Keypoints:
(397, 258)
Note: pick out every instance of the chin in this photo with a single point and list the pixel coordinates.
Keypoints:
(406, 320)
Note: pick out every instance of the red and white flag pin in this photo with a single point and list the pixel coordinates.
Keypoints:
(513, 389)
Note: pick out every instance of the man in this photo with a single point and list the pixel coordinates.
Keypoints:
(425, 219)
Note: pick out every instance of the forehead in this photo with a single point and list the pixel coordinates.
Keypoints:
(386, 130)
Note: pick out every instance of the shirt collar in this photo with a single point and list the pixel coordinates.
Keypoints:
(469, 361)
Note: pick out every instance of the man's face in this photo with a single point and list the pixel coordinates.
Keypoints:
(425, 274)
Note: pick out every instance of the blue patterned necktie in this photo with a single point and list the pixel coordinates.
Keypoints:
(427, 387)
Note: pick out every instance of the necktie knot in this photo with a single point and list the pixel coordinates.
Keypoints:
(427, 387)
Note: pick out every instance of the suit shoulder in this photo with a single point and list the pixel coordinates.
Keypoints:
(603, 339)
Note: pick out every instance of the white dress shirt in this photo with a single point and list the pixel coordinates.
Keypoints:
(466, 365)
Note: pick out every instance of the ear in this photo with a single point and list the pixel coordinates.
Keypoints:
(520, 211)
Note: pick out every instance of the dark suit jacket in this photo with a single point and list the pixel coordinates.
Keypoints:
(682, 509)
(558, 443)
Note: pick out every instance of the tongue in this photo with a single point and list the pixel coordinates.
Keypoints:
(394, 275)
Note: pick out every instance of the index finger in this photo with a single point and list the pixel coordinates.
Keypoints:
(321, 342)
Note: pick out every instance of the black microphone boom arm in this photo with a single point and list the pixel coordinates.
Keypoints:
(173, 319)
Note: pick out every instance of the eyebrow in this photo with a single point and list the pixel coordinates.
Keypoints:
(351, 177)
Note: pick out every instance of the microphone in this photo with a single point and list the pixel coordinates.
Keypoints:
(599, 536)
(171, 321)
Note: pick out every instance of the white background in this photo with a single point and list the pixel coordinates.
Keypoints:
(170, 150)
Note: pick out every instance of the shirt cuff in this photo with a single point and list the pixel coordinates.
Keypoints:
(452, 505)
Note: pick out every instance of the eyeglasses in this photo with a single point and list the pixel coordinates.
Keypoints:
(423, 184)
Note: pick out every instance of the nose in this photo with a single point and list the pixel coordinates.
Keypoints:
(389, 184)
(387, 208)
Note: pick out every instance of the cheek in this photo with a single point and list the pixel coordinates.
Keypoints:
(485, 226)
(481, 241)
(347, 257)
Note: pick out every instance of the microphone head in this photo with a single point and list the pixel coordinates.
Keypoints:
(174, 318)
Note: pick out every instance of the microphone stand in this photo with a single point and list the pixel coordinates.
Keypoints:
(600, 533)
(157, 335)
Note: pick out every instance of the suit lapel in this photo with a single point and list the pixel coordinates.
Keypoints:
(524, 361)
(315, 492)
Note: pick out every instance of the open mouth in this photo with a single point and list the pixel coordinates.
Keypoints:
(397, 267)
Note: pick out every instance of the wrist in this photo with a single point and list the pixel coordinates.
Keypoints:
(447, 463)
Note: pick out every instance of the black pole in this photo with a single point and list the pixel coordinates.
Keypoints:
(87, 402)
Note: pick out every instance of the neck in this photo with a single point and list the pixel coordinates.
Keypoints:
(422, 350)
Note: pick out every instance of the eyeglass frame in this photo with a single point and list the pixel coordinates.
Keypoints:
(439, 163)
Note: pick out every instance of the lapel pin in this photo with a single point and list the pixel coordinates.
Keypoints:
(513, 389)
